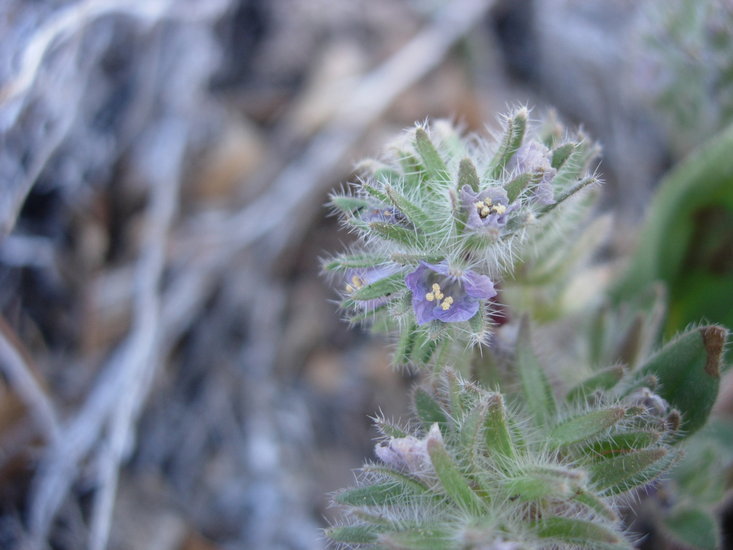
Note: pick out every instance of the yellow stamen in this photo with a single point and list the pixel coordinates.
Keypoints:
(479, 204)
(445, 306)
(430, 296)
(349, 288)
(499, 208)
(487, 201)
(357, 281)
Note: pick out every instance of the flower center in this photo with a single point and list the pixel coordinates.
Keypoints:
(356, 283)
(487, 207)
(436, 295)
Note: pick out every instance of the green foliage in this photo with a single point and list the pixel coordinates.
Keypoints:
(413, 206)
(687, 239)
(511, 448)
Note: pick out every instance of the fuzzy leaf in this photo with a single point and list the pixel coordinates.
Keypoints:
(537, 391)
(376, 193)
(356, 534)
(395, 233)
(688, 370)
(467, 175)
(455, 485)
(420, 538)
(434, 165)
(515, 187)
(347, 204)
(603, 380)
(561, 154)
(510, 142)
(622, 443)
(582, 533)
(427, 408)
(414, 213)
(593, 502)
(371, 495)
(496, 430)
(619, 474)
(586, 426)
(383, 287)
(405, 345)
(343, 262)
(695, 527)
(537, 487)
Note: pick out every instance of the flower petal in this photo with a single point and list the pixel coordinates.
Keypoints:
(424, 310)
(461, 310)
(478, 286)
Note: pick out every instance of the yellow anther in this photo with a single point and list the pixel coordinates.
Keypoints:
(436, 287)
(349, 288)
(499, 208)
(488, 202)
(479, 204)
(445, 306)
(357, 281)
(430, 296)
(484, 211)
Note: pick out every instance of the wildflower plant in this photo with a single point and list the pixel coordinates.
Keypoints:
(457, 241)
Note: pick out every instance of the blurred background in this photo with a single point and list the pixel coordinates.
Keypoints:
(175, 374)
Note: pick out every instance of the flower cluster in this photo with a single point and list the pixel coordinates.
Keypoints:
(439, 221)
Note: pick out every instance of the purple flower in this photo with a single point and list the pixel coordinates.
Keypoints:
(445, 294)
(487, 208)
(534, 157)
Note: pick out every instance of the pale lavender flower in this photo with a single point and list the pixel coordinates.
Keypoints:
(408, 454)
(448, 295)
(531, 158)
(487, 208)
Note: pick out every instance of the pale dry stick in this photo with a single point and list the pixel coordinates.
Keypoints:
(118, 397)
(279, 213)
(65, 24)
(19, 374)
(69, 20)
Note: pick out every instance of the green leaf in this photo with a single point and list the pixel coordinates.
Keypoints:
(536, 486)
(622, 473)
(603, 380)
(343, 262)
(409, 483)
(383, 287)
(347, 204)
(688, 370)
(376, 193)
(582, 533)
(405, 345)
(454, 484)
(372, 495)
(427, 408)
(537, 391)
(420, 538)
(510, 142)
(590, 500)
(561, 154)
(684, 236)
(621, 443)
(496, 430)
(357, 534)
(586, 426)
(396, 233)
(416, 215)
(467, 175)
(412, 169)
(695, 528)
(434, 165)
(515, 187)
